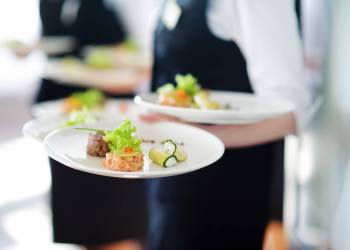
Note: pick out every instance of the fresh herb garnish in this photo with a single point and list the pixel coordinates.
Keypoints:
(122, 140)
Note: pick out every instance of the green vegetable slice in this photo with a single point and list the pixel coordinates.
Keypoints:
(170, 162)
(158, 156)
(180, 155)
(169, 147)
(188, 83)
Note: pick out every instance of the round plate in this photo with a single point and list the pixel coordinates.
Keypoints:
(55, 108)
(38, 129)
(219, 121)
(50, 116)
(55, 45)
(68, 146)
(245, 108)
(50, 45)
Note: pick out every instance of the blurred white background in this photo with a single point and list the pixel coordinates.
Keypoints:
(24, 212)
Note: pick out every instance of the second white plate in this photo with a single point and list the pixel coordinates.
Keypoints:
(245, 108)
(112, 107)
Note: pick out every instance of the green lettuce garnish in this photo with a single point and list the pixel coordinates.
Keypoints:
(123, 137)
(100, 59)
(79, 117)
(188, 83)
(165, 89)
(130, 44)
(69, 60)
(90, 98)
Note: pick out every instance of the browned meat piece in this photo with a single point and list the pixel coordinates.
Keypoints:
(123, 163)
(96, 145)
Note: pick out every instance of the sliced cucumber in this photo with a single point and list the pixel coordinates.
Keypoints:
(161, 158)
(169, 147)
(180, 155)
(170, 162)
(201, 99)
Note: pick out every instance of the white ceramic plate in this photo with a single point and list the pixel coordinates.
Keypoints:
(50, 116)
(38, 129)
(245, 108)
(50, 45)
(112, 106)
(69, 147)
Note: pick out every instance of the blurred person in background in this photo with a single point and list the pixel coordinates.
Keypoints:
(313, 179)
(90, 210)
(245, 46)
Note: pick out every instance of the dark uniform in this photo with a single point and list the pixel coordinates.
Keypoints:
(89, 209)
(228, 204)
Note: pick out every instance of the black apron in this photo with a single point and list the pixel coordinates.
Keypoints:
(93, 24)
(89, 209)
(228, 204)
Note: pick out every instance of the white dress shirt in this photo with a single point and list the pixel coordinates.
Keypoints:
(266, 31)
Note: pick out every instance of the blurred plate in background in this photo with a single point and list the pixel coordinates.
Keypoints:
(73, 72)
(244, 108)
(56, 45)
(112, 107)
(50, 45)
(38, 129)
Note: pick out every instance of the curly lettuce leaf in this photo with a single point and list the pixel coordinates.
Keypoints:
(122, 140)
(90, 98)
(188, 83)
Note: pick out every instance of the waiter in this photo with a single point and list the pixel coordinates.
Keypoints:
(93, 211)
(247, 46)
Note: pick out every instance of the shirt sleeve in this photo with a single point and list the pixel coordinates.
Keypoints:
(267, 33)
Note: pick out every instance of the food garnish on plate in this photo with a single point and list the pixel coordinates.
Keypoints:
(91, 99)
(187, 93)
(99, 59)
(125, 149)
(106, 57)
(130, 45)
(78, 117)
(120, 147)
(168, 155)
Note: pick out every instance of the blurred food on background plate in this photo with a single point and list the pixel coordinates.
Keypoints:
(50, 45)
(187, 93)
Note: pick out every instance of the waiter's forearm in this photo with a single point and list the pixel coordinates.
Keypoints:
(235, 136)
